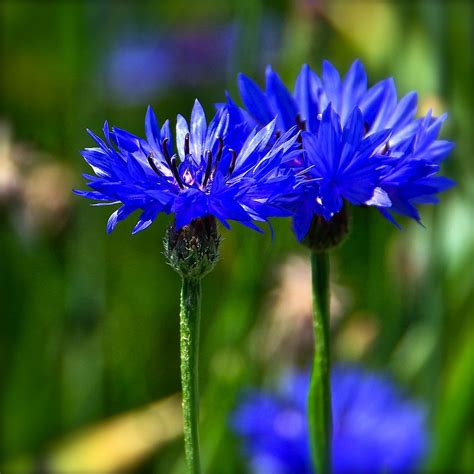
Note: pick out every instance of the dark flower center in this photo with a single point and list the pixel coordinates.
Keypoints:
(171, 161)
(211, 170)
(211, 165)
(300, 123)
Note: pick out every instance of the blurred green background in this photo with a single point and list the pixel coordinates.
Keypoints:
(89, 322)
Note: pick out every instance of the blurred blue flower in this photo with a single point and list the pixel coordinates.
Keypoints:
(342, 113)
(215, 172)
(375, 429)
(196, 50)
(146, 64)
(138, 68)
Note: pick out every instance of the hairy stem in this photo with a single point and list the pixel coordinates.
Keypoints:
(190, 314)
(319, 398)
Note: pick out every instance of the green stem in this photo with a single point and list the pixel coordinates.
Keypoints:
(319, 399)
(189, 341)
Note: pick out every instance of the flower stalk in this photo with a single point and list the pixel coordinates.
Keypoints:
(190, 314)
(319, 398)
(192, 251)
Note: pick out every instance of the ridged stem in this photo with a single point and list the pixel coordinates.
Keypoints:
(190, 314)
(319, 398)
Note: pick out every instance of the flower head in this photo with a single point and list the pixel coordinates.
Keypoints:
(215, 171)
(329, 109)
(375, 429)
(410, 175)
(342, 164)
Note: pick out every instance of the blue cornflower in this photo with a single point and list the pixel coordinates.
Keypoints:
(375, 429)
(410, 145)
(342, 164)
(410, 175)
(217, 171)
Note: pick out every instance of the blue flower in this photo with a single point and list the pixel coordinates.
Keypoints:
(375, 429)
(138, 67)
(410, 145)
(342, 164)
(216, 171)
(410, 175)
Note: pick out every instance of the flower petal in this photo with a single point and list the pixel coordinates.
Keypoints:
(281, 100)
(254, 99)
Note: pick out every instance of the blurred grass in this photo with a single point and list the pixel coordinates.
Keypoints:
(89, 322)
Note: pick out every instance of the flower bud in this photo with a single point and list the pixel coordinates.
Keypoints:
(324, 235)
(193, 250)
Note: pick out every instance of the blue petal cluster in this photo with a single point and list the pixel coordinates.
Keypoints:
(361, 144)
(357, 144)
(375, 430)
(218, 170)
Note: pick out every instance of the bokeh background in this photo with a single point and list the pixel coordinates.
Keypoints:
(89, 362)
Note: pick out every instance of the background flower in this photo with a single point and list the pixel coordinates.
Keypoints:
(375, 429)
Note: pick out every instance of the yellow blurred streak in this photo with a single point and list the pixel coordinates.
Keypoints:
(356, 337)
(113, 445)
(120, 442)
(371, 26)
(9, 179)
(431, 102)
